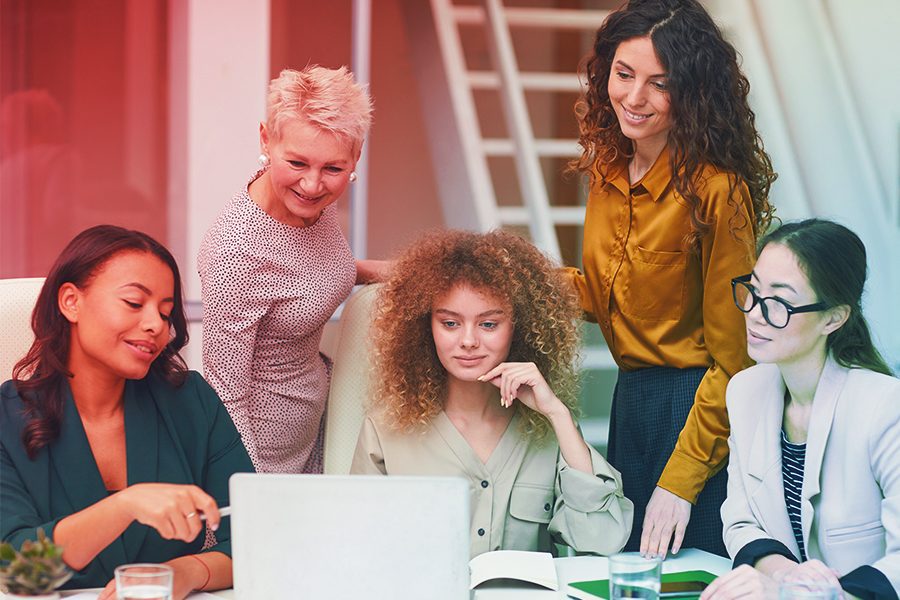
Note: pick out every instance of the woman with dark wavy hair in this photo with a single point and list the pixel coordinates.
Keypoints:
(107, 443)
(679, 183)
(476, 343)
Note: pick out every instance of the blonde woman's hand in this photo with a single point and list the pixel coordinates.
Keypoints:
(525, 382)
(173, 510)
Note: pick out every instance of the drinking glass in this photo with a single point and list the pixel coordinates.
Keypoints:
(808, 590)
(633, 576)
(144, 581)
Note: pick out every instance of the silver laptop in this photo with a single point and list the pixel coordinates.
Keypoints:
(324, 536)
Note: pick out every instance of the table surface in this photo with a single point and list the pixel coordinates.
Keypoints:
(578, 568)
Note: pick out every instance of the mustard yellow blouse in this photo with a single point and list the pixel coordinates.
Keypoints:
(659, 303)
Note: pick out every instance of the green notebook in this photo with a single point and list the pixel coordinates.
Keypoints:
(591, 590)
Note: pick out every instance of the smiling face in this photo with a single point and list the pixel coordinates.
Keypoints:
(472, 331)
(119, 322)
(638, 93)
(310, 170)
(778, 273)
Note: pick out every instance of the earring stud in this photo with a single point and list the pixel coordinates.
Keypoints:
(263, 160)
(353, 176)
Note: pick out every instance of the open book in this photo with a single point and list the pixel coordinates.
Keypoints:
(534, 567)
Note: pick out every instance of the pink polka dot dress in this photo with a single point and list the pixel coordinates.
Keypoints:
(268, 290)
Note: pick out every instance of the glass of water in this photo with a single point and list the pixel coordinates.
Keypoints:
(633, 576)
(808, 590)
(144, 581)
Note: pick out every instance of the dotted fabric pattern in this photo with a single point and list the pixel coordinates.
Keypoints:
(350, 381)
(17, 300)
(268, 290)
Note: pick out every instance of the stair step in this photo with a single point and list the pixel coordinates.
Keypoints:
(545, 147)
(547, 18)
(551, 82)
(561, 215)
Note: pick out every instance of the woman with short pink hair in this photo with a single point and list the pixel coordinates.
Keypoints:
(275, 265)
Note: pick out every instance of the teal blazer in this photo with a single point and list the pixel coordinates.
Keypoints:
(172, 435)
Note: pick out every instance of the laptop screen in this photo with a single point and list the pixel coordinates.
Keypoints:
(324, 536)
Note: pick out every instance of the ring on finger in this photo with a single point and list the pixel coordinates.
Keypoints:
(190, 514)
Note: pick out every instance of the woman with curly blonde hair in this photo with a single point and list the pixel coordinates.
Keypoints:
(679, 191)
(476, 343)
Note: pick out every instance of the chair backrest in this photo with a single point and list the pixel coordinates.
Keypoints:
(17, 300)
(349, 381)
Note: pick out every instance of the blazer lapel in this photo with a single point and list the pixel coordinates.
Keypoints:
(142, 447)
(825, 402)
(82, 483)
(765, 463)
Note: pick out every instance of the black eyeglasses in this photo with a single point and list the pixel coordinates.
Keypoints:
(775, 311)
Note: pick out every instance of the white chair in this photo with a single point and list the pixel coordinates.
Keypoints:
(350, 383)
(17, 300)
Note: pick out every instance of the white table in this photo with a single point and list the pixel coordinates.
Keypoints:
(578, 568)
(586, 568)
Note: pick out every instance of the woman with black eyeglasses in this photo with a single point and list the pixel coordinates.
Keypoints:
(814, 471)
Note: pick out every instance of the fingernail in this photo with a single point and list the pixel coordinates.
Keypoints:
(214, 527)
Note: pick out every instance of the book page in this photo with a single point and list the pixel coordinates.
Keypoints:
(534, 567)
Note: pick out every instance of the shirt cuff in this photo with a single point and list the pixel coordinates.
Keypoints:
(588, 493)
(868, 583)
(684, 476)
(757, 549)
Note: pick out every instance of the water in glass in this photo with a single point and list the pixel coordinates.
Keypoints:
(631, 576)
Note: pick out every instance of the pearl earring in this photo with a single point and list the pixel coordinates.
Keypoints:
(353, 176)
(263, 160)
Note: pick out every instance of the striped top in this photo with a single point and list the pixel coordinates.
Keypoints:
(793, 457)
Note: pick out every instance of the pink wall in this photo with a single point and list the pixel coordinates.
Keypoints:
(83, 124)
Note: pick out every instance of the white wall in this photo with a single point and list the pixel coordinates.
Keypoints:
(825, 80)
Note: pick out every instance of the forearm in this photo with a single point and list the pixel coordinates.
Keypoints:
(206, 571)
(774, 564)
(86, 533)
(572, 446)
(372, 271)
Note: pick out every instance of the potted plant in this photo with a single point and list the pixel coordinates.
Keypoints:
(35, 571)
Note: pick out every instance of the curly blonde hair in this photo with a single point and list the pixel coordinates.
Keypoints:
(411, 380)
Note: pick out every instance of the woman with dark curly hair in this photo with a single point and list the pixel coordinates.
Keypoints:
(107, 443)
(475, 343)
(679, 182)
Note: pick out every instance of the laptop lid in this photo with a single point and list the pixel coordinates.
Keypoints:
(372, 537)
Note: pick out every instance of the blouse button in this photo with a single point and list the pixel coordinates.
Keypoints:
(547, 506)
(484, 484)
(481, 532)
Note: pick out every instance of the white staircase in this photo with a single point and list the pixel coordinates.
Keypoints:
(435, 28)
(461, 153)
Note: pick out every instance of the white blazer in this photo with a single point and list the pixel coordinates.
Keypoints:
(850, 502)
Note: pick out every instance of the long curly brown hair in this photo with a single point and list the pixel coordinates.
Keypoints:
(712, 120)
(411, 380)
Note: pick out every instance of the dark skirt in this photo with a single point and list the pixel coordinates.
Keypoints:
(649, 410)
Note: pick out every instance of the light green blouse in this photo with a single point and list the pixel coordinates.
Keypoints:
(523, 497)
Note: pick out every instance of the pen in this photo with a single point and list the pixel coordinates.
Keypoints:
(225, 511)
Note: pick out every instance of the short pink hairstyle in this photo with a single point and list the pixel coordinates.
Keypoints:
(328, 98)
